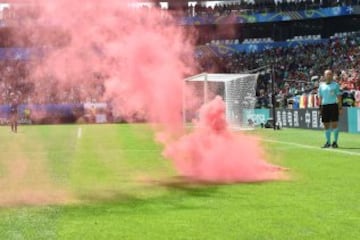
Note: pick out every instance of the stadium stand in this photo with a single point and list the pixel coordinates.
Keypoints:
(227, 8)
(298, 67)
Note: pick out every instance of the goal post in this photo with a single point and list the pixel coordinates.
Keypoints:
(237, 90)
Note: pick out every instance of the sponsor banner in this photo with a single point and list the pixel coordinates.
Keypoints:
(44, 113)
(20, 53)
(229, 49)
(307, 119)
(270, 16)
(354, 120)
(256, 117)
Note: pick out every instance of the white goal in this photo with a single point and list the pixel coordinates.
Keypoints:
(237, 90)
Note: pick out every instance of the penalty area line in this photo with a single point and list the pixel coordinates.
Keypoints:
(312, 147)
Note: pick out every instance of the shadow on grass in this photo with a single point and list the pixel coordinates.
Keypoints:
(355, 148)
(174, 193)
(147, 190)
(187, 186)
(171, 192)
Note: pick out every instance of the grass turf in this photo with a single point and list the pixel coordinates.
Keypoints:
(117, 186)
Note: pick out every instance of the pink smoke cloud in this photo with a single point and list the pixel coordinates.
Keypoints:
(142, 54)
(213, 153)
(142, 57)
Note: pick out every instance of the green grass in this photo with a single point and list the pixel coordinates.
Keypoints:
(112, 183)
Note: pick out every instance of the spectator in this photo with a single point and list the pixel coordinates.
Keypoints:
(299, 72)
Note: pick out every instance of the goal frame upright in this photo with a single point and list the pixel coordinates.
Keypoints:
(225, 78)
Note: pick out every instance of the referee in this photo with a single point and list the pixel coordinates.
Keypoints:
(330, 108)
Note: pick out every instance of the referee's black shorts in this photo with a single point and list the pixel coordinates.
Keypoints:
(330, 113)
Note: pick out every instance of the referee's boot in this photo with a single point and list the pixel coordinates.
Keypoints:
(334, 145)
(326, 145)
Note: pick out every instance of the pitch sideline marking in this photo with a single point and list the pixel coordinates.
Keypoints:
(79, 133)
(312, 147)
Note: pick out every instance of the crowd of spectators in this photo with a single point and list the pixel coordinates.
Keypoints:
(201, 9)
(14, 15)
(18, 84)
(265, 6)
(296, 69)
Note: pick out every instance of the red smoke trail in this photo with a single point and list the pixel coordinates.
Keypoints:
(141, 57)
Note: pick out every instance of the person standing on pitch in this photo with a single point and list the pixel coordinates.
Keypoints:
(13, 116)
(330, 108)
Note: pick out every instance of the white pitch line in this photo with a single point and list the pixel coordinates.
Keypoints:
(118, 150)
(312, 147)
(79, 133)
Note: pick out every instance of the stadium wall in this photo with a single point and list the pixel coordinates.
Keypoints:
(256, 116)
(44, 113)
(354, 120)
(305, 118)
(99, 113)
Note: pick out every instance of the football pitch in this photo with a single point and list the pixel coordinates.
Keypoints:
(111, 182)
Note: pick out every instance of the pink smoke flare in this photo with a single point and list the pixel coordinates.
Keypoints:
(141, 57)
(213, 153)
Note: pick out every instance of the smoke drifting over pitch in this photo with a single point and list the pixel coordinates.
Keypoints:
(213, 153)
(141, 57)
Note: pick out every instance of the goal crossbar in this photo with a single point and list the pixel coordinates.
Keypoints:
(215, 77)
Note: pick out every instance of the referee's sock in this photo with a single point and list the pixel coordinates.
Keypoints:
(336, 134)
(328, 135)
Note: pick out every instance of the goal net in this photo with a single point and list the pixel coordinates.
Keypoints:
(237, 90)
